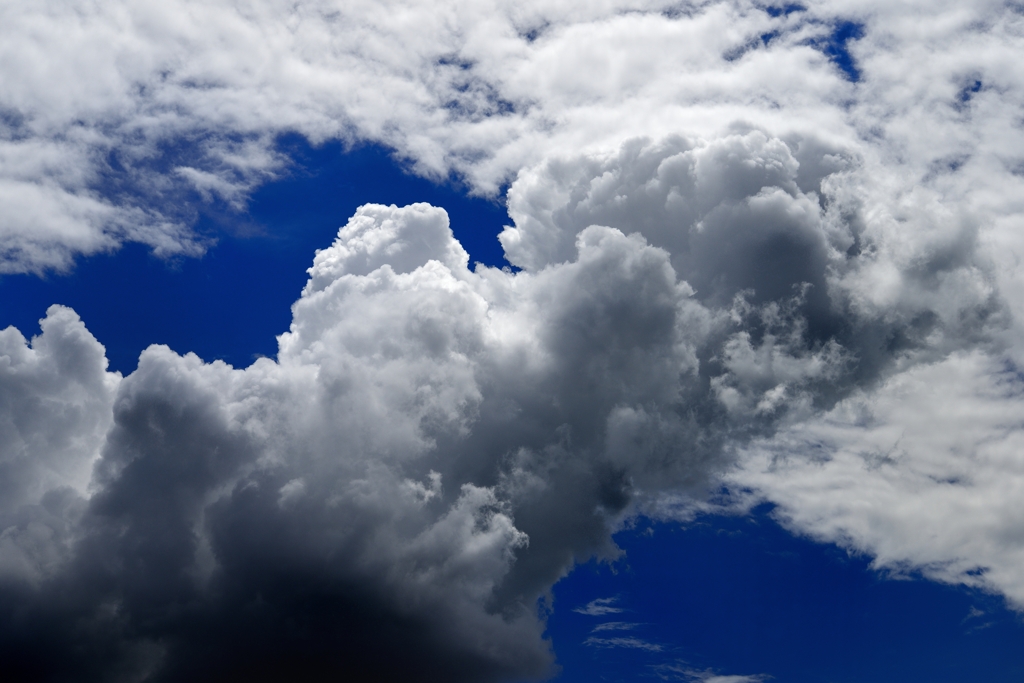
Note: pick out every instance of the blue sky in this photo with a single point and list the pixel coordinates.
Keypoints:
(489, 341)
(233, 302)
(743, 596)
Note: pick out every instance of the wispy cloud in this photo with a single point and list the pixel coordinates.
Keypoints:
(976, 621)
(631, 643)
(680, 671)
(599, 607)
(614, 626)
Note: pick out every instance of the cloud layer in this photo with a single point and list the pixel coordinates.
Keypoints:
(117, 121)
(749, 251)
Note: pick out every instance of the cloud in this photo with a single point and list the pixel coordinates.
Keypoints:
(435, 446)
(877, 300)
(630, 643)
(55, 409)
(682, 672)
(599, 608)
(923, 473)
(611, 625)
(118, 122)
(741, 255)
(432, 448)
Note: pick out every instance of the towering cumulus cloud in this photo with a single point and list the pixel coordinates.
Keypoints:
(431, 450)
(746, 253)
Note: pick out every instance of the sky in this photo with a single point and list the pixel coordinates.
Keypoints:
(511, 341)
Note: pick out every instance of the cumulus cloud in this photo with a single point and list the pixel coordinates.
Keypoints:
(435, 446)
(835, 286)
(432, 448)
(747, 247)
(55, 409)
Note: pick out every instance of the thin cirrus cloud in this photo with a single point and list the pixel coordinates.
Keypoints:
(749, 250)
(626, 642)
(599, 608)
(614, 626)
(679, 672)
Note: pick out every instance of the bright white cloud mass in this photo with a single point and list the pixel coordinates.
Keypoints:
(772, 248)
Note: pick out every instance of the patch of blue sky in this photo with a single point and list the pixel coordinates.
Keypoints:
(784, 10)
(232, 302)
(741, 596)
(837, 47)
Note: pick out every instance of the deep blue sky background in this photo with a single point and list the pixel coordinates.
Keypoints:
(740, 595)
(231, 303)
(733, 595)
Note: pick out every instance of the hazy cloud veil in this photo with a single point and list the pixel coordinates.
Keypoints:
(751, 249)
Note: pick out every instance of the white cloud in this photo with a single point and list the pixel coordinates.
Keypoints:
(682, 672)
(599, 608)
(55, 409)
(127, 107)
(630, 643)
(443, 443)
(925, 473)
(56, 398)
(612, 625)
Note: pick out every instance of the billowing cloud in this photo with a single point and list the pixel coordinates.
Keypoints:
(55, 410)
(431, 450)
(899, 308)
(434, 447)
(748, 251)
